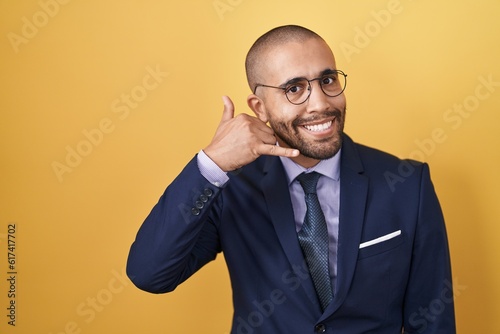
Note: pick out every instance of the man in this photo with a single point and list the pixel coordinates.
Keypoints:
(316, 236)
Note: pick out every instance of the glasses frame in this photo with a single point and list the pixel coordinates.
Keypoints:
(309, 86)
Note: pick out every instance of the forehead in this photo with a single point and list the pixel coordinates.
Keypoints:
(297, 59)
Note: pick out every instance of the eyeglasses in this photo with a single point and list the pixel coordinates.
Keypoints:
(298, 90)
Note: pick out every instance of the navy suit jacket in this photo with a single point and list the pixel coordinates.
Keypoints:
(382, 287)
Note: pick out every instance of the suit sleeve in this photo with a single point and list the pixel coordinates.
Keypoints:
(179, 236)
(429, 305)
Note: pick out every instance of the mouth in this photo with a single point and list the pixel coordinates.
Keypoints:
(318, 127)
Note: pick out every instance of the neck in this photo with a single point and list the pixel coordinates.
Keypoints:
(304, 161)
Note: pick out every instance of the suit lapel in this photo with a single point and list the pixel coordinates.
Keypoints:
(353, 196)
(275, 188)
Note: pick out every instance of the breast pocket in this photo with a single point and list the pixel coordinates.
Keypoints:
(381, 244)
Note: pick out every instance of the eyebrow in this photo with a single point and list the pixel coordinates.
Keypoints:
(297, 79)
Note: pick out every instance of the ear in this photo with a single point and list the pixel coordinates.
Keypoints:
(257, 105)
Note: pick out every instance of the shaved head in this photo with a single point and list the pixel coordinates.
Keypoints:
(255, 61)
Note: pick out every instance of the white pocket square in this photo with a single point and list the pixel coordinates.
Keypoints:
(380, 239)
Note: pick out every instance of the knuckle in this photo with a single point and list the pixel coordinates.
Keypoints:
(243, 121)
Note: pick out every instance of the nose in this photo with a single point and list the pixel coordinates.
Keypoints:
(318, 101)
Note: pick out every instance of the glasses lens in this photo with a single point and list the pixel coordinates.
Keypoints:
(298, 91)
(333, 84)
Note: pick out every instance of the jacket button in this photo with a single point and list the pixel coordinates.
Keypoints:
(199, 204)
(320, 328)
(208, 192)
(203, 198)
(195, 211)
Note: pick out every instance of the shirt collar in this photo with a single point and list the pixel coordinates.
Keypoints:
(328, 167)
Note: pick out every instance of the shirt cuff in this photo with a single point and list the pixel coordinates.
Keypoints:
(210, 171)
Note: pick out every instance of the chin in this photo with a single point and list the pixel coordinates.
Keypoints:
(325, 151)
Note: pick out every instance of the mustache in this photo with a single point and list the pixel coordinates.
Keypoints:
(327, 114)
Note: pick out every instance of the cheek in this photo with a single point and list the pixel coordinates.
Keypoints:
(281, 111)
(340, 101)
(282, 115)
(289, 112)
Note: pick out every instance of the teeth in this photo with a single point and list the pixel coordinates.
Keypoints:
(318, 127)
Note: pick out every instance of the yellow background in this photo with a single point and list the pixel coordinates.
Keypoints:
(406, 72)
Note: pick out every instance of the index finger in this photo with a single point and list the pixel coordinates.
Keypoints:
(275, 150)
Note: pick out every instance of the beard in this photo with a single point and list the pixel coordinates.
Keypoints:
(321, 149)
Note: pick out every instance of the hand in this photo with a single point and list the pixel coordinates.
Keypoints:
(242, 139)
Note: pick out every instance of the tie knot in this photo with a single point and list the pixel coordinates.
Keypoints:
(309, 181)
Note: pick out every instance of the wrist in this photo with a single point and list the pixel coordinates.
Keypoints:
(211, 171)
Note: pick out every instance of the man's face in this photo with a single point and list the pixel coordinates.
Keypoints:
(314, 127)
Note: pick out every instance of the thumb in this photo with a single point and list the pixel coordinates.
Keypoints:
(228, 112)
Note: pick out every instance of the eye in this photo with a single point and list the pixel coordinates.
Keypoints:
(292, 89)
(296, 88)
(328, 79)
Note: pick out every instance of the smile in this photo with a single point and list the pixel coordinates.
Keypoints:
(319, 127)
